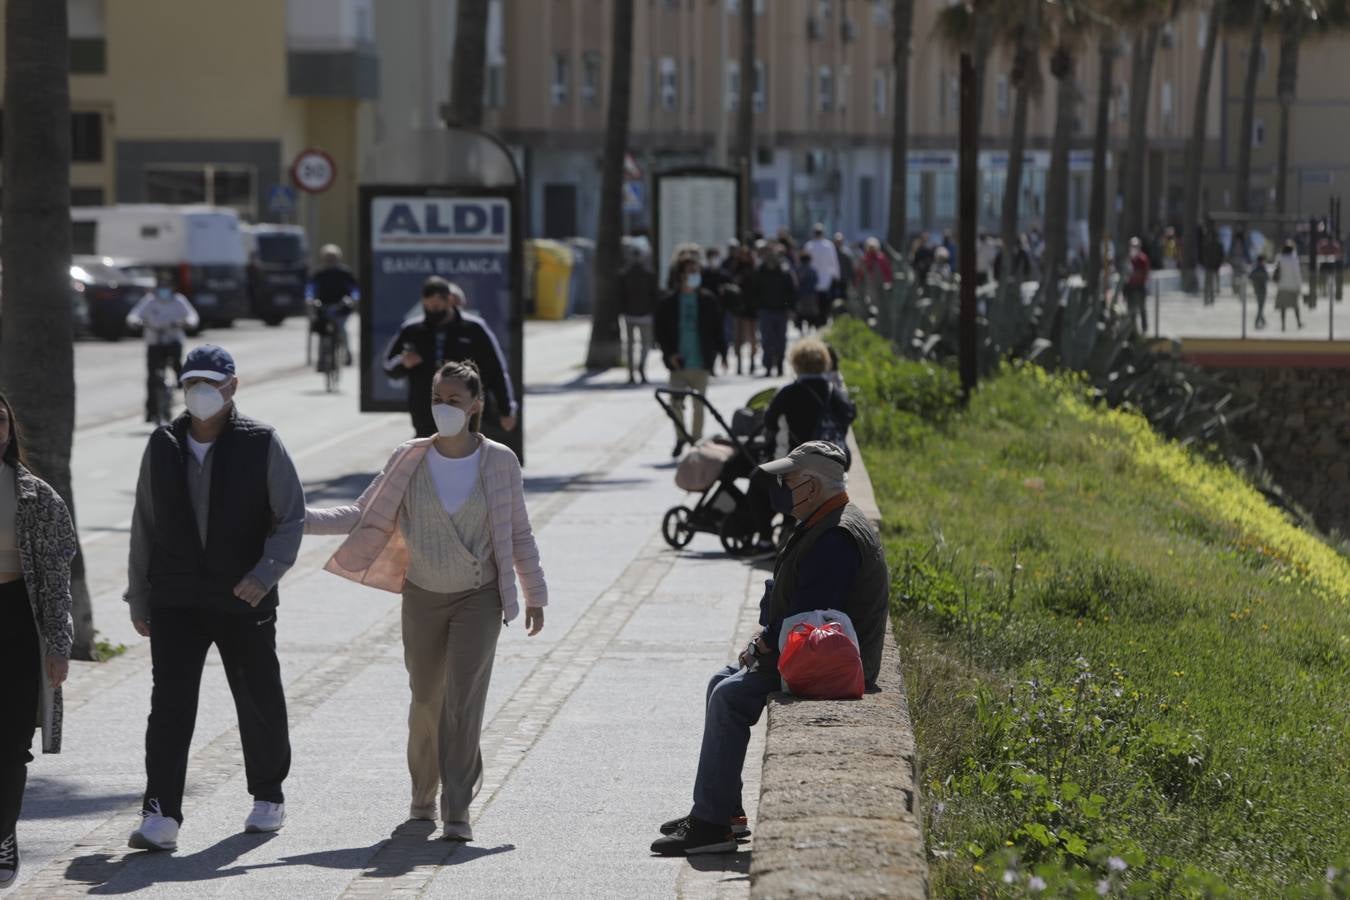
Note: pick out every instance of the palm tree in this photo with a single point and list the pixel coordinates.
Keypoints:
(1148, 17)
(37, 353)
(1256, 17)
(467, 80)
(606, 348)
(745, 114)
(902, 31)
(1195, 149)
(1026, 78)
(1072, 20)
(1298, 21)
(1108, 48)
(972, 27)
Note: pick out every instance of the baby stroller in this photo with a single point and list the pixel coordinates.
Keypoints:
(719, 471)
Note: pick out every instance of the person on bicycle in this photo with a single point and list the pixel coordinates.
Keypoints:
(334, 290)
(163, 315)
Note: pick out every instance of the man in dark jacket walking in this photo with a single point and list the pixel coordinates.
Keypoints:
(833, 560)
(218, 520)
(639, 293)
(444, 333)
(689, 332)
(773, 289)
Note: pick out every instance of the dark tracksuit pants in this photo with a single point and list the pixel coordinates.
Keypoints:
(179, 641)
(20, 674)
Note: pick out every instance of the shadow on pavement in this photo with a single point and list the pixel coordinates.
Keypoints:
(344, 487)
(49, 799)
(586, 382)
(137, 870)
(580, 483)
(737, 863)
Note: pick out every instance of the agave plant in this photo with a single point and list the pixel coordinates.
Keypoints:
(1064, 328)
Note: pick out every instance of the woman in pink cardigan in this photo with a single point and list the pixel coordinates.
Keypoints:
(445, 525)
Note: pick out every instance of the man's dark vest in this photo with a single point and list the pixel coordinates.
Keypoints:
(182, 571)
(868, 602)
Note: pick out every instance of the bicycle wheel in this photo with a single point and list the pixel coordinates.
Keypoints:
(332, 370)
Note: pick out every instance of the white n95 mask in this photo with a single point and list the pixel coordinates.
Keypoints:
(450, 420)
(203, 401)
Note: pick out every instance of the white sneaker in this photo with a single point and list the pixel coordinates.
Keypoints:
(156, 832)
(457, 831)
(265, 817)
(9, 861)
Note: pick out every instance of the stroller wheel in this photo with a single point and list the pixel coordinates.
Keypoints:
(675, 527)
(735, 540)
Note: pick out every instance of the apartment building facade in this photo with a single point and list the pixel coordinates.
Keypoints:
(824, 100)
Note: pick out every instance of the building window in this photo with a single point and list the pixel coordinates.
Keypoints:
(824, 8)
(866, 190)
(86, 196)
(826, 89)
(879, 104)
(670, 83)
(561, 77)
(88, 37)
(761, 87)
(86, 137)
(1259, 133)
(845, 77)
(232, 186)
(1124, 101)
(944, 199)
(1165, 101)
(809, 85)
(733, 100)
(494, 86)
(1201, 28)
(692, 87)
(734, 6)
(590, 79)
(1001, 95)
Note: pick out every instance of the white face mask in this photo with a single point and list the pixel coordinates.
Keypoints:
(203, 401)
(450, 420)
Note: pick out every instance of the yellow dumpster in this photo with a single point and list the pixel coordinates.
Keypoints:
(552, 278)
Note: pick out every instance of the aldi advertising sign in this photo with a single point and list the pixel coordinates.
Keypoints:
(410, 234)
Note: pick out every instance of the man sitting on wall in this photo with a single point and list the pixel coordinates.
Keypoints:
(833, 560)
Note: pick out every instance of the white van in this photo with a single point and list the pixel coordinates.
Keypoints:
(200, 248)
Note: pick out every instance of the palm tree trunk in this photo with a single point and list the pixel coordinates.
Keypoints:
(606, 349)
(1024, 62)
(37, 353)
(1242, 186)
(898, 225)
(745, 117)
(1145, 50)
(1195, 150)
(1106, 54)
(1057, 179)
(467, 80)
(1291, 36)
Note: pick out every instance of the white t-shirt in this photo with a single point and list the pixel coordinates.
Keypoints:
(199, 450)
(454, 478)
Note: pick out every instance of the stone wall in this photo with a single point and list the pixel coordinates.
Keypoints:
(1302, 426)
(839, 804)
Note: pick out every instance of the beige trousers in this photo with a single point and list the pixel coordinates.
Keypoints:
(690, 380)
(449, 641)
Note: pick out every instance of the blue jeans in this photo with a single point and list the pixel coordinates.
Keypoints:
(736, 698)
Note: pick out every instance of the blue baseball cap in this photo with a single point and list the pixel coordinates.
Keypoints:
(208, 361)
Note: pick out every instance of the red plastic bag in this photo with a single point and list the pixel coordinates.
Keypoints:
(821, 663)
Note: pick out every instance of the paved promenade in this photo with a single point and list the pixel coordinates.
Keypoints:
(592, 728)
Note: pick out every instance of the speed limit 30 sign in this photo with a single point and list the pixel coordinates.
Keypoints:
(313, 171)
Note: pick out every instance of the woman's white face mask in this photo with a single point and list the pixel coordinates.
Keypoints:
(450, 420)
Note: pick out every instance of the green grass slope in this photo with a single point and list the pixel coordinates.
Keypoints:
(1128, 672)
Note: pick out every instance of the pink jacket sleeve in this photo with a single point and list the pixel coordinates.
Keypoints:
(343, 519)
(529, 569)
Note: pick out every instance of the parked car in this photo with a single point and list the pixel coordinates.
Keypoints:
(79, 308)
(200, 247)
(110, 291)
(276, 271)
